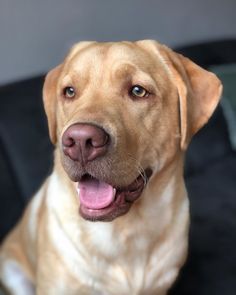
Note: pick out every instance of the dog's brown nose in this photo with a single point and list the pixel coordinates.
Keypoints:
(85, 142)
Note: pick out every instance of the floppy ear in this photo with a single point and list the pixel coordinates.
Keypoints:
(49, 99)
(199, 93)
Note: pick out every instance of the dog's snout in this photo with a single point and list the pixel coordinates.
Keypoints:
(85, 142)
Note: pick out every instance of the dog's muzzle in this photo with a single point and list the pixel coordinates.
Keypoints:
(85, 145)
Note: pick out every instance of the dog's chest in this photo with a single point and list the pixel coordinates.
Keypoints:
(106, 264)
(124, 259)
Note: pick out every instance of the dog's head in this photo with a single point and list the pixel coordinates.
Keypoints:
(120, 112)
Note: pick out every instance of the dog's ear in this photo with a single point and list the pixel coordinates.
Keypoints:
(49, 99)
(199, 93)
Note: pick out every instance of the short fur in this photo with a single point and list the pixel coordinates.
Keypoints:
(53, 250)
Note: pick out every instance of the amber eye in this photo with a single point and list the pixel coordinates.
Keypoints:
(139, 91)
(69, 92)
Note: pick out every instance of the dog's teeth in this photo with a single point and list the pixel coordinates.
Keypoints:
(114, 192)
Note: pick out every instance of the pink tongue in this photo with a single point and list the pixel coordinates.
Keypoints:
(95, 194)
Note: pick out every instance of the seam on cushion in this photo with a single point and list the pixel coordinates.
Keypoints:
(12, 172)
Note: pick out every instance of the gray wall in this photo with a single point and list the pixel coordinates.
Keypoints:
(35, 35)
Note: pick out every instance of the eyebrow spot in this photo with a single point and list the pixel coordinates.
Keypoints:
(124, 70)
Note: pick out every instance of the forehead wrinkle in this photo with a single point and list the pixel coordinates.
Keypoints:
(120, 71)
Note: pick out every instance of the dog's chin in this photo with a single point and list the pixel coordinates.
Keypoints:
(100, 201)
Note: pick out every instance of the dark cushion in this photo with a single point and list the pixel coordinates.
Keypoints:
(25, 149)
(211, 53)
(211, 264)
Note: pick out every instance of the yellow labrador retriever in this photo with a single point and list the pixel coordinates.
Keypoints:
(113, 216)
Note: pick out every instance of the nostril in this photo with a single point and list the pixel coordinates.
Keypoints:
(89, 143)
(68, 142)
(101, 141)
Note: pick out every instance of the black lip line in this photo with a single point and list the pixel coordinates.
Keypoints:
(125, 190)
(145, 177)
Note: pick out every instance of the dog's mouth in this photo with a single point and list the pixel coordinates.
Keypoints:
(100, 201)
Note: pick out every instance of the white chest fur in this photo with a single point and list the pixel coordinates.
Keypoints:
(138, 254)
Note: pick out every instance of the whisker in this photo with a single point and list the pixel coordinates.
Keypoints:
(139, 168)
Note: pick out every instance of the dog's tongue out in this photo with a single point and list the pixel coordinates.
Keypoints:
(95, 194)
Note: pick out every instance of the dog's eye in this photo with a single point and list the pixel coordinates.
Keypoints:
(139, 91)
(69, 92)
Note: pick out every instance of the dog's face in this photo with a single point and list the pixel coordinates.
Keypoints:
(120, 112)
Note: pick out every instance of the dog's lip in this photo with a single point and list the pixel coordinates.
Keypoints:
(124, 197)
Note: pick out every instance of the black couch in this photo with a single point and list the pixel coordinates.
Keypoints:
(26, 159)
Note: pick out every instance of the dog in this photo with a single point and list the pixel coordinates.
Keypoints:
(113, 217)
